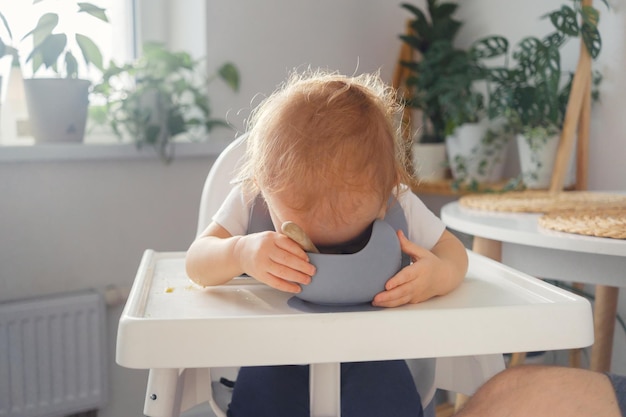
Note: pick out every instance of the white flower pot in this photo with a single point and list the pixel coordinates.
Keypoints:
(537, 165)
(429, 161)
(14, 125)
(57, 108)
(471, 158)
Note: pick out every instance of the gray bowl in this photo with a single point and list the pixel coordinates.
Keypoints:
(347, 279)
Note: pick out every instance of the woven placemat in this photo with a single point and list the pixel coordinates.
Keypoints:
(600, 222)
(543, 201)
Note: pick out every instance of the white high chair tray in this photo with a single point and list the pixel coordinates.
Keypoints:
(169, 322)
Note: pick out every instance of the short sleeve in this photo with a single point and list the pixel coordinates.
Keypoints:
(234, 214)
(425, 228)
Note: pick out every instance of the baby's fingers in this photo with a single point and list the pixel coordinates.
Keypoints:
(288, 272)
(392, 298)
(292, 258)
(289, 245)
(279, 283)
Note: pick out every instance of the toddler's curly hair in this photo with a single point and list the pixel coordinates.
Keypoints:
(321, 135)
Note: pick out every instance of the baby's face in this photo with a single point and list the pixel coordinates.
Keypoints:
(328, 229)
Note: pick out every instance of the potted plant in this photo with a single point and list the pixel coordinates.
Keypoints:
(434, 26)
(57, 99)
(533, 93)
(476, 149)
(443, 88)
(431, 38)
(160, 96)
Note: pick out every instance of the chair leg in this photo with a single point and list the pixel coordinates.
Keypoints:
(445, 410)
(517, 358)
(460, 401)
(604, 327)
(575, 358)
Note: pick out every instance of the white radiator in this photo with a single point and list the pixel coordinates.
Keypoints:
(52, 355)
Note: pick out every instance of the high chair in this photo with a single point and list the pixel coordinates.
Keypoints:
(217, 186)
(190, 337)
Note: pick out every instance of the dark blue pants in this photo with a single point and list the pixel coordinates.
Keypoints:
(368, 389)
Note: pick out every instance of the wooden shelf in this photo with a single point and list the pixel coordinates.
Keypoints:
(446, 188)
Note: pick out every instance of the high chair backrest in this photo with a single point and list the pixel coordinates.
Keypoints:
(219, 181)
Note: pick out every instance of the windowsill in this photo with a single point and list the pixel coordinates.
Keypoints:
(117, 151)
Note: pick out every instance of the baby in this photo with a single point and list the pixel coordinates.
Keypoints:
(324, 152)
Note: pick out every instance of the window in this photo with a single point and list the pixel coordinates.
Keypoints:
(116, 41)
(174, 23)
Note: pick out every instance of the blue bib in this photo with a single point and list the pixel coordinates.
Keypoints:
(351, 278)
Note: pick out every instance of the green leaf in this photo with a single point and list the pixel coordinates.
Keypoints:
(3, 49)
(44, 28)
(549, 64)
(526, 52)
(98, 114)
(490, 47)
(564, 20)
(443, 11)
(415, 10)
(411, 41)
(91, 52)
(93, 10)
(176, 123)
(591, 38)
(71, 65)
(446, 29)
(202, 102)
(152, 132)
(229, 73)
(554, 39)
(213, 123)
(413, 65)
(590, 15)
(6, 25)
(498, 75)
(48, 52)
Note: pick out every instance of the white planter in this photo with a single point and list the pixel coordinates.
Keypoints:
(14, 124)
(473, 159)
(429, 161)
(537, 165)
(57, 108)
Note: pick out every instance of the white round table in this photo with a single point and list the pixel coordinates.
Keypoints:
(516, 240)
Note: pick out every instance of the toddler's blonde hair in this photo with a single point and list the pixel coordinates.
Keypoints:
(322, 135)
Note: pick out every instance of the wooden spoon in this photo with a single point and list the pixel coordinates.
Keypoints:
(293, 231)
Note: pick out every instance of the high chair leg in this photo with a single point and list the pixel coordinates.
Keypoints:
(172, 391)
(324, 389)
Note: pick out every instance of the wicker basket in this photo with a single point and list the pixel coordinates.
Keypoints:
(543, 201)
(599, 222)
(582, 212)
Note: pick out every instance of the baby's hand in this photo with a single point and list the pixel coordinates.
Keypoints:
(274, 259)
(413, 283)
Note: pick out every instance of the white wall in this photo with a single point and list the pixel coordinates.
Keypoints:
(267, 39)
(69, 225)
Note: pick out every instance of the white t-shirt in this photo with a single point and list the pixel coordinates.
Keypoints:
(424, 227)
